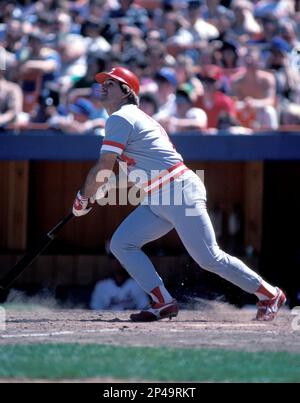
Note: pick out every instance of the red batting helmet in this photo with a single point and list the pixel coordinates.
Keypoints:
(123, 75)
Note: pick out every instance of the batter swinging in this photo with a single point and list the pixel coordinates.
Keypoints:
(134, 137)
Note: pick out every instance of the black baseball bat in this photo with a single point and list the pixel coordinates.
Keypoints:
(29, 257)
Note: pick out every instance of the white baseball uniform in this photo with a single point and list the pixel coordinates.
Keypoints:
(144, 145)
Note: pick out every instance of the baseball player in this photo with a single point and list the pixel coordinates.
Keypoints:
(134, 137)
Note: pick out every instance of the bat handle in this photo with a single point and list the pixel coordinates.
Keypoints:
(51, 234)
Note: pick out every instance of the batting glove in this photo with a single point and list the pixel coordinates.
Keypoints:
(80, 206)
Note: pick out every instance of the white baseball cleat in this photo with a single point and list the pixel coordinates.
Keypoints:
(267, 310)
(156, 311)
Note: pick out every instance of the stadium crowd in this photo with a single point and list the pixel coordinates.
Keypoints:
(203, 65)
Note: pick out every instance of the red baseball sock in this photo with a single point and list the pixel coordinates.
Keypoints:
(265, 291)
(160, 295)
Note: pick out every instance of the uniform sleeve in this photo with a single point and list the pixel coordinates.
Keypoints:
(117, 132)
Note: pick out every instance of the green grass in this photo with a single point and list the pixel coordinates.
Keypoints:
(54, 361)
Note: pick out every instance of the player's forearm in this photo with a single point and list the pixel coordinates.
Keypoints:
(98, 175)
(91, 183)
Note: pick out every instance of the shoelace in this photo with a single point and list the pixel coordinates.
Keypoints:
(268, 303)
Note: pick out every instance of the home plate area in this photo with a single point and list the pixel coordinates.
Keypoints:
(212, 325)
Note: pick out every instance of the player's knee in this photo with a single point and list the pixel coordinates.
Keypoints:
(213, 260)
(117, 244)
(121, 243)
(209, 264)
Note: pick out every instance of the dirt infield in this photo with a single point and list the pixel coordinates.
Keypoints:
(208, 325)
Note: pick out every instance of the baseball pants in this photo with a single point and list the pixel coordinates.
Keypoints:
(190, 219)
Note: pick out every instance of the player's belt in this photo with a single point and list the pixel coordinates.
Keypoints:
(165, 177)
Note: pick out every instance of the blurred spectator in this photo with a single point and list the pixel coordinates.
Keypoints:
(225, 23)
(153, 38)
(128, 11)
(178, 38)
(288, 31)
(46, 23)
(199, 28)
(245, 24)
(10, 44)
(183, 69)
(9, 10)
(290, 116)
(186, 74)
(99, 9)
(255, 91)
(36, 56)
(270, 28)
(166, 84)
(213, 101)
(74, 63)
(227, 56)
(213, 10)
(38, 65)
(287, 78)
(148, 103)
(63, 25)
(11, 100)
(207, 56)
(12, 36)
(80, 118)
(155, 59)
(92, 93)
(186, 117)
(45, 108)
(118, 293)
(92, 31)
(278, 8)
(228, 124)
(94, 65)
(54, 46)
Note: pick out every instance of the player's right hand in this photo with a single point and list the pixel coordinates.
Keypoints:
(80, 206)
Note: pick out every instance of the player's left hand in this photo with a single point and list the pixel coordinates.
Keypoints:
(80, 206)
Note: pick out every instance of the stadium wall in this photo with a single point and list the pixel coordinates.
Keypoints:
(41, 172)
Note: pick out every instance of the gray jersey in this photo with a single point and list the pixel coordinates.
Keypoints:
(141, 142)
